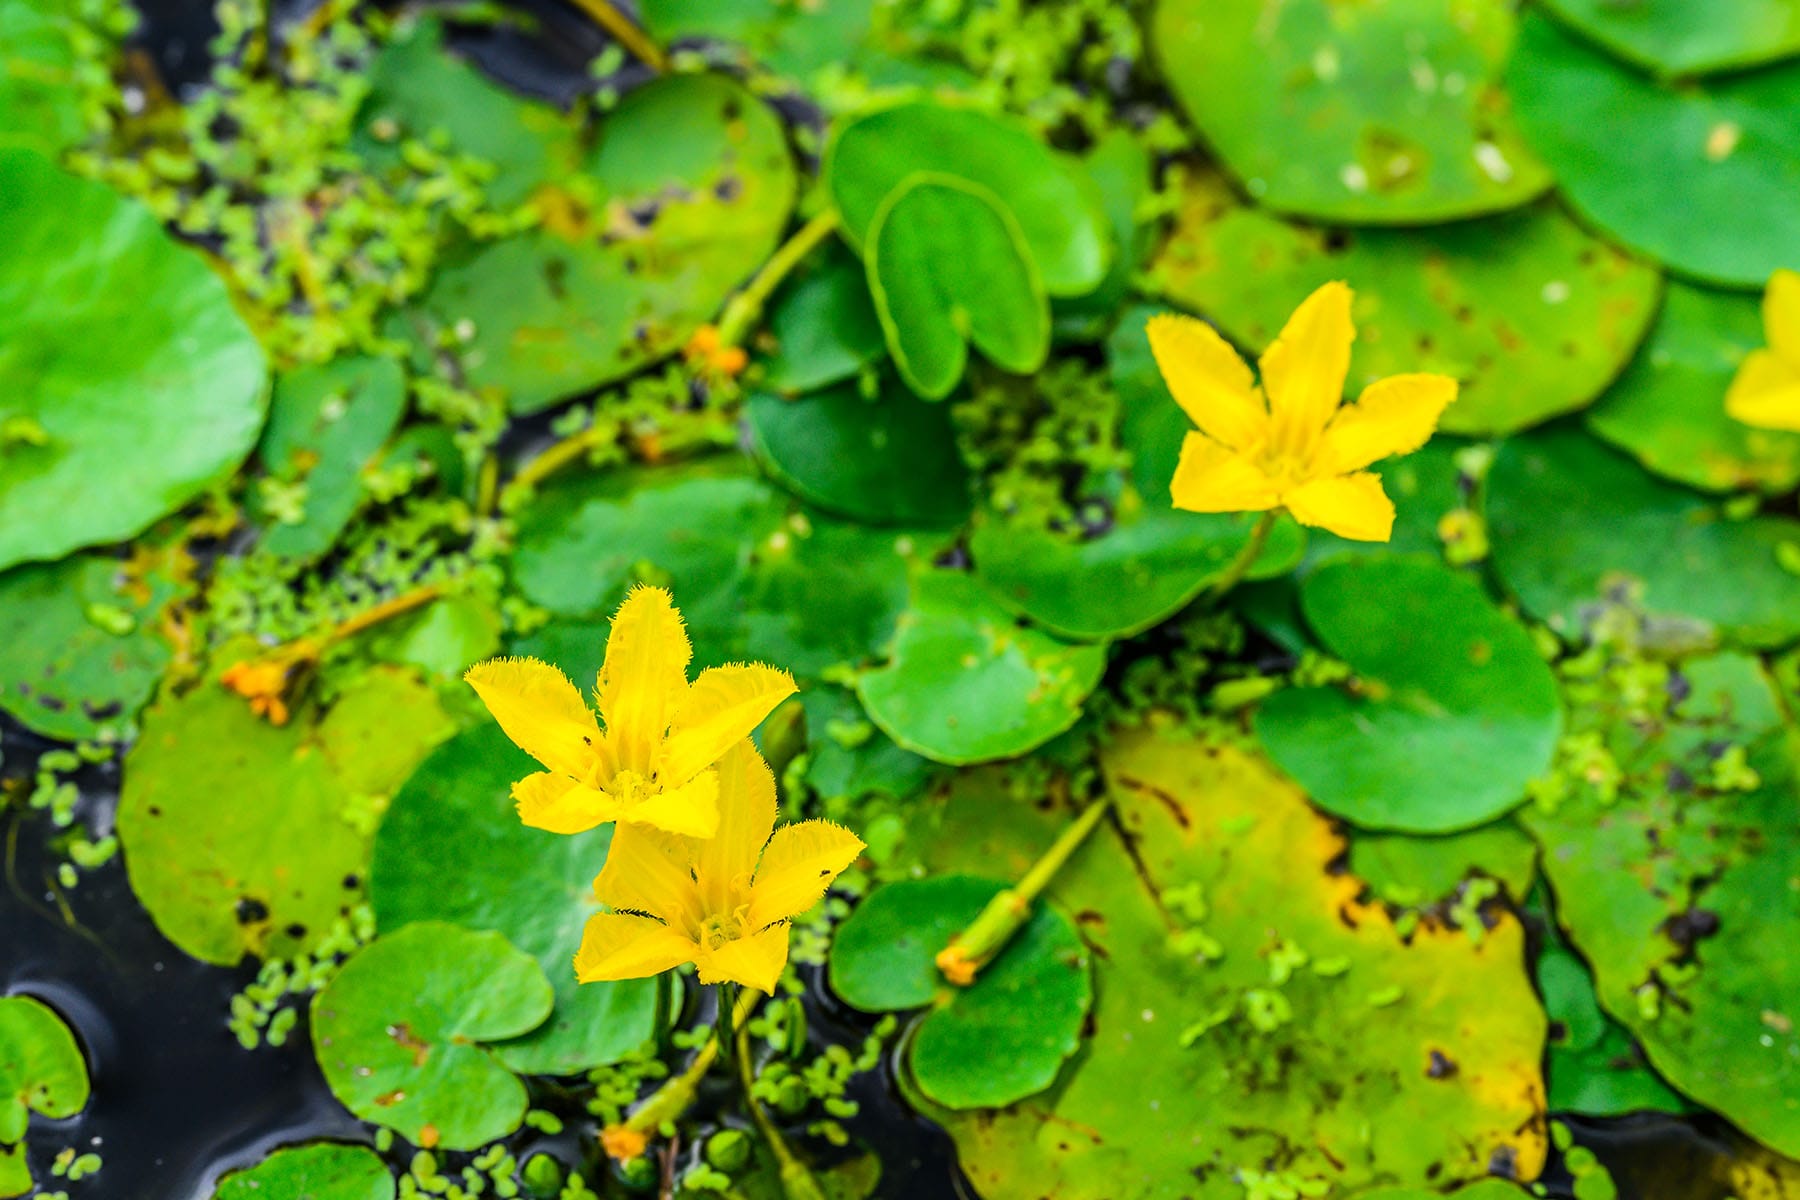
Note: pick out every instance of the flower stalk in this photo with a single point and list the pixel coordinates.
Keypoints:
(1240, 566)
(631, 1137)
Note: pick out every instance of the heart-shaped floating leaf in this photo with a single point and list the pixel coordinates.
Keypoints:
(327, 424)
(757, 578)
(889, 458)
(984, 1046)
(949, 266)
(41, 1067)
(1668, 408)
(1573, 523)
(534, 888)
(1058, 213)
(224, 877)
(1531, 314)
(40, 93)
(131, 385)
(967, 682)
(1675, 888)
(402, 1033)
(1442, 680)
(823, 326)
(1387, 113)
(1236, 969)
(1722, 159)
(84, 647)
(1687, 39)
(317, 1171)
(685, 194)
(1413, 870)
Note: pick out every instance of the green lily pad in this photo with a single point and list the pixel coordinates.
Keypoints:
(1411, 870)
(1250, 1013)
(755, 578)
(84, 647)
(1481, 1189)
(1531, 314)
(41, 1067)
(223, 876)
(131, 385)
(534, 888)
(1675, 884)
(967, 683)
(848, 758)
(790, 39)
(1686, 39)
(988, 1045)
(1592, 1067)
(327, 425)
(1386, 113)
(1058, 213)
(1697, 176)
(949, 266)
(317, 1171)
(1668, 409)
(1442, 679)
(691, 186)
(402, 1033)
(890, 458)
(1120, 167)
(1573, 523)
(40, 91)
(822, 325)
(1148, 566)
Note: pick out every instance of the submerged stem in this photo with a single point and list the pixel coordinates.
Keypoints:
(796, 1180)
(1006, 913)
(1240, 566)
(628, 1139)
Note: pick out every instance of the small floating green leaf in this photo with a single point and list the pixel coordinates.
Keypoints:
(318, 1171)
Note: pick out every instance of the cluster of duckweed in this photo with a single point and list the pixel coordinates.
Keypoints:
(267, 1009)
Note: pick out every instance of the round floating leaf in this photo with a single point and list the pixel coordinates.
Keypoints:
(949, 266)
(532, 887)
(1700, 177)
(1058, 213)
(401, 1032)
(83, 647)
(1383, 113)
(1412, 871)
(131, 385)
(757, 580)
(787, 39)
(41, 1067)
(1687, 39)
(823, 326)
(319, 1171)
(40, 93)
(238, 834)
(693, 185)
(1573, 523)
(1249, 1008)
(887, 459)
(1443, 680)
(1668, 409)
(327, 425)
(967, 682)
(1149, 565)
(1531, 314)
(1677, 888)
(984, 1046)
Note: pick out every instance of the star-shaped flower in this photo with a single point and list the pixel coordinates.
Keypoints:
(1292, 443)
(722, 903)
(652, 764)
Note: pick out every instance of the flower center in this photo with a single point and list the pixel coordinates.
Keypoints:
(716, 930)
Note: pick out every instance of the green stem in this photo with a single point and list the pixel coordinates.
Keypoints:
(1240, 566)
(796, 1180)
(747, 305)
(672, 1099)
(1006, 913)
(620, 28)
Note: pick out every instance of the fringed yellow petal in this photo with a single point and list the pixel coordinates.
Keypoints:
(1303, 372)
(1765, 392)
(539, 709)
(1393, 416)
(1208, 380)
(754, 961)
(720, 708)
(649, 871)
(622, 946)
(1351, 506)
(643, 678)
(559, 804)
(691, 810)
(725, 862)
(798, 866)
(1209, 478)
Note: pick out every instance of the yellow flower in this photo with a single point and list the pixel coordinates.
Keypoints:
(712, 902)
(654, 763)
(1302, 449)
(1766, 390)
